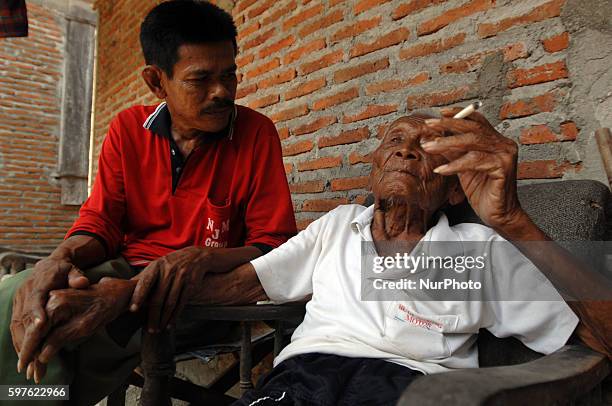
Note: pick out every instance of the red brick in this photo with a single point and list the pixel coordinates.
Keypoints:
(298, 148)
(540, 134)
(345, 137)
(277, 46)
(303, 16)
(540, 13)
(288, 168)
(537, 134)
(244, 60)
(246, 31)
(437, 98)
(349, 183)
(335, 99)
(539, 74)
(323, 62)
(545, 169)
(387, 40)
(244, 91)
(254, 12)
(365, 5)
(281, 77)
(521, 108)
(412, 7)
(315, 125)
(569, 131)
(313, 186)
(263, 68)
(452, 15)
(264, 101)
(320, 205)
(369, 112)
(355, 29)
(556, 43)
(258, 40)
(303, 223)
(289, 113)
(243, 5)
(511, 52)
(395, 84)
(320, 163)
(305, 88)
(306, 49)
(432, 47)
(283, 133)
(352, 72)
(357, 158)
(324, 22)
(279, 12)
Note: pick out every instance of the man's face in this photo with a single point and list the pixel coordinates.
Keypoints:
(201, 92)
(402, 170)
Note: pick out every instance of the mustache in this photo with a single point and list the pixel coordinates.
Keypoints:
(218, 104)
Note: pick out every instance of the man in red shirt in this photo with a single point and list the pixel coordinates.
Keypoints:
(193, 186)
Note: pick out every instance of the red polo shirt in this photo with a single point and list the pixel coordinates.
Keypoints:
(230, 191)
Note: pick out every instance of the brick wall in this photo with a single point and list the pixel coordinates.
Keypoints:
(333, 73)
(31, 216)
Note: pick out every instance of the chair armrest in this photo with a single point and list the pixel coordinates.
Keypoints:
(556, 378)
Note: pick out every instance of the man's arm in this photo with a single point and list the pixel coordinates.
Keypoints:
(238, 287)
(591, 291)
(485, 163)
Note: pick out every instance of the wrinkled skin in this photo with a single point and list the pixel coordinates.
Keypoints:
(169, 282)
(29, 321)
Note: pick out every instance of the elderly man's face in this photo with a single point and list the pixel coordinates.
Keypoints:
(403, 171)
(201, 92)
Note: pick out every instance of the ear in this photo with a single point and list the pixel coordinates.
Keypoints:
(152, 76)
(456, 194)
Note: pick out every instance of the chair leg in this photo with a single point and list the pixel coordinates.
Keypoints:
(245, 358)
(158, 367)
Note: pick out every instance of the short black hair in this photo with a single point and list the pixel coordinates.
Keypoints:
(174, 23)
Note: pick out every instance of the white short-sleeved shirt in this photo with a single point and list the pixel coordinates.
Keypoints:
(324, 261)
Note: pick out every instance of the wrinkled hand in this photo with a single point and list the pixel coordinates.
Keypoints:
(167, 283)
(29, 321)
(484, 161)
(75, 314)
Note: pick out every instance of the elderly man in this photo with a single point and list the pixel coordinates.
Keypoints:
(349, 351)
(193, 185)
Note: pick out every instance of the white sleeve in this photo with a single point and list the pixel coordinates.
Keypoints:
(286, 272)
(540, 318)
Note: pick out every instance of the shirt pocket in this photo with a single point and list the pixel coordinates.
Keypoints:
(217, 221)
(418, 336)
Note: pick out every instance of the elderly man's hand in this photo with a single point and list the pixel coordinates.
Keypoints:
(167, 284)
(484, 161)
(75, 314)
(29, 321)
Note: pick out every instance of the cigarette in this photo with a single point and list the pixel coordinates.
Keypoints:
(468, 110)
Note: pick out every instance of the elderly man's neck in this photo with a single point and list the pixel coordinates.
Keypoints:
(400, 220)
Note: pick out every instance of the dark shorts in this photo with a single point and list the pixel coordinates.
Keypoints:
(330, 380)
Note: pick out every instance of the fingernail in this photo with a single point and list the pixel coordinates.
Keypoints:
(440, 168)
(133, 308)
(36, 377)
(29, 371)
(432, 121)
(37, 321)
(18, 366)
(428, 144)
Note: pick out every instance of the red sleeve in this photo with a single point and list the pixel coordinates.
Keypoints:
(269, 213)
(102, 213)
